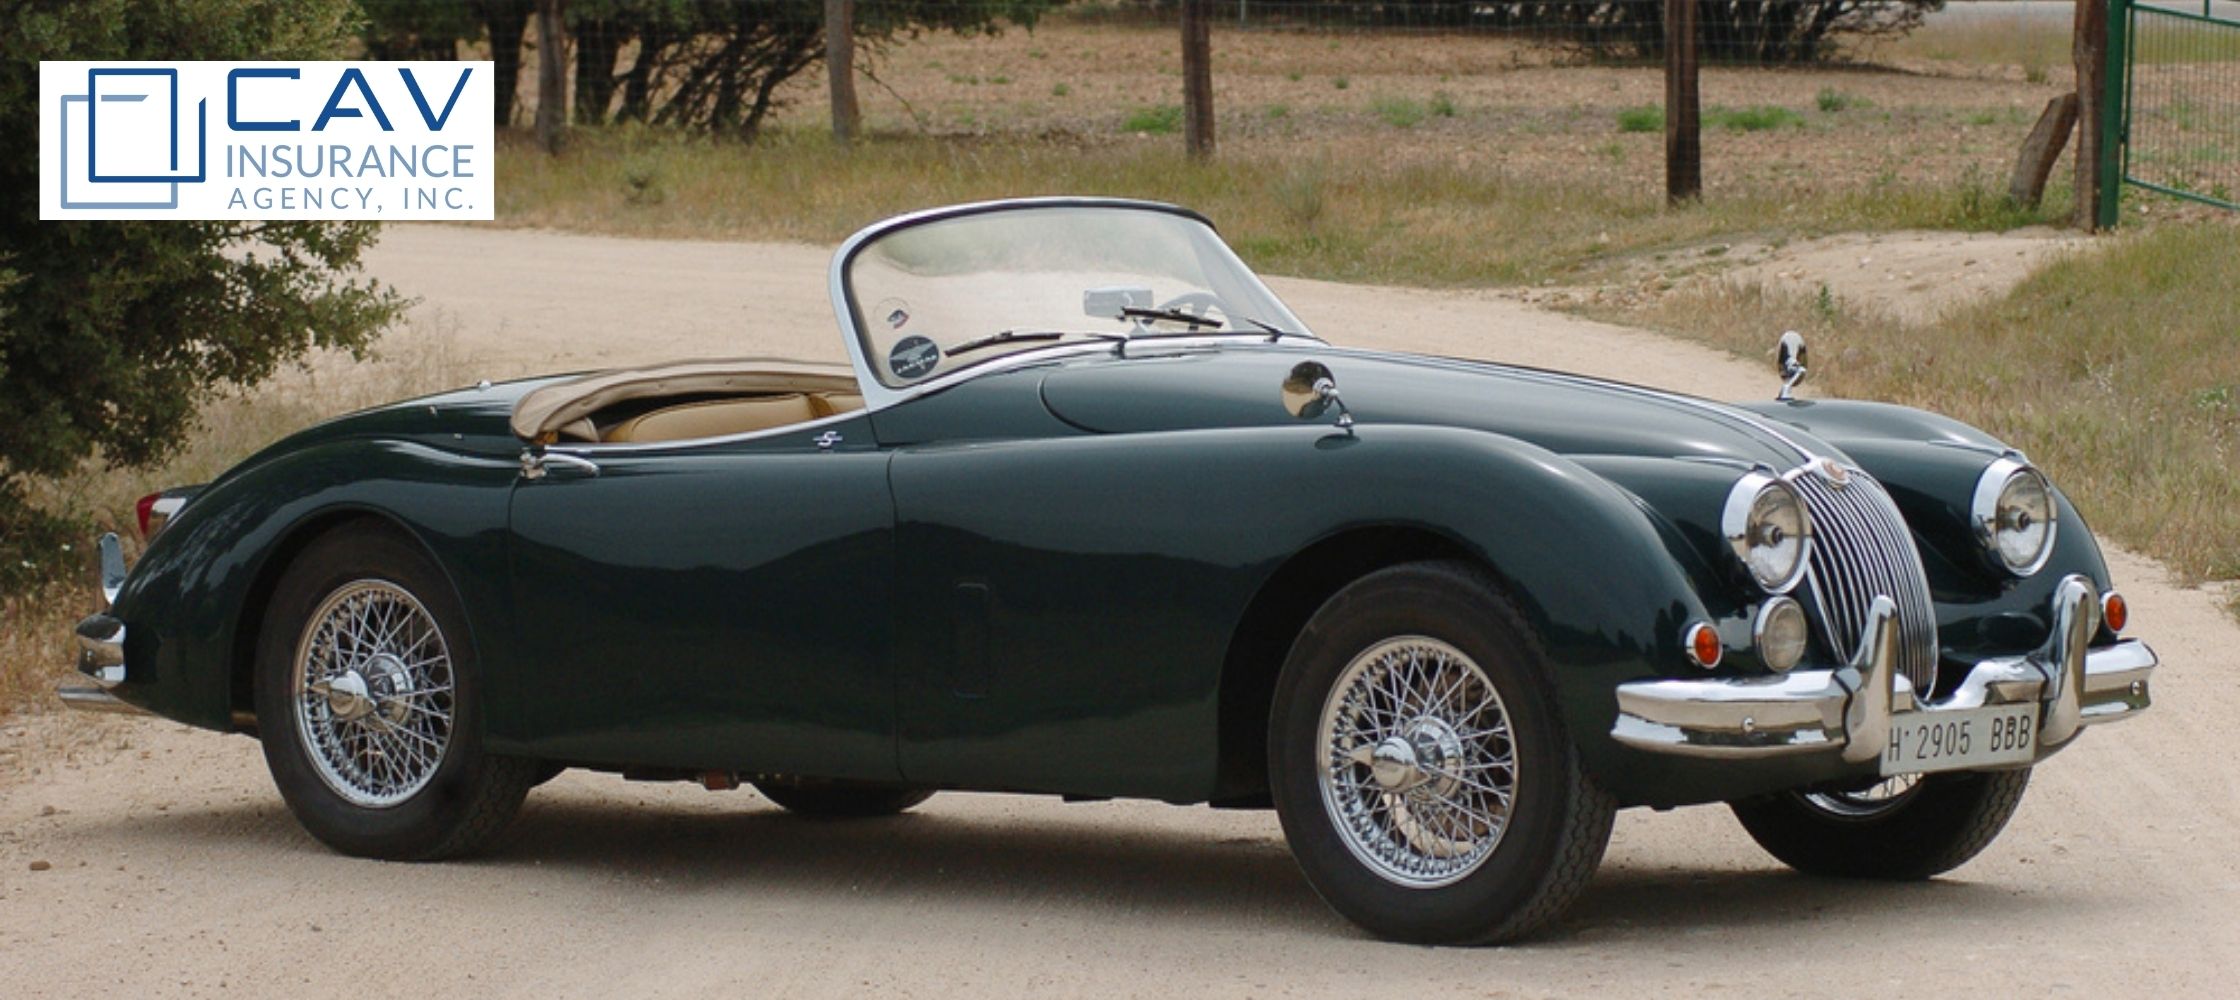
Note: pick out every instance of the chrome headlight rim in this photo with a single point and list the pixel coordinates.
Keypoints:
(1983, 513)
(1761, 624)
(1735, 525)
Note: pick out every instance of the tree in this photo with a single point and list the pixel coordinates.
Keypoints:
(112, 334)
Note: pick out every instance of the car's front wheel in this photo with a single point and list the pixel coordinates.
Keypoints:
(1422, 773)
(367, 702)
(1903, 828)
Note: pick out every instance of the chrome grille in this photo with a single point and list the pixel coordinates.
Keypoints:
(1862, 548)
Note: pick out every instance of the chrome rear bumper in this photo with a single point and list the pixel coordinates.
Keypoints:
(101, 644)
(1849, 710)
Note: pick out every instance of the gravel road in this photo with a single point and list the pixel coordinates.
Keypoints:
(140, 859)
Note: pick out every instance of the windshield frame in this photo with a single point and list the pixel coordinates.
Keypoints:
(878, 395)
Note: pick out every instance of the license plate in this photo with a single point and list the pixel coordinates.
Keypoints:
(1950, 741)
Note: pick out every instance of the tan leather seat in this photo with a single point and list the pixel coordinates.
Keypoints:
(715, 418)
(833, 404)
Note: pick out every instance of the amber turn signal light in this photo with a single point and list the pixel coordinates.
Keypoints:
(2114, 611)
(1703, 645)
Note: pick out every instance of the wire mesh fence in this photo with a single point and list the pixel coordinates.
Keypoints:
(2183, 97)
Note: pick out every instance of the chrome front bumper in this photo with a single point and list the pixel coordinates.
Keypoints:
(1849, 710)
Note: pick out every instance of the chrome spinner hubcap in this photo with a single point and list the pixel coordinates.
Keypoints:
(1419, 769)
(372, 688)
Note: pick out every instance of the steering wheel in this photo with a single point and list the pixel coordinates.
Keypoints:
(1198, 304)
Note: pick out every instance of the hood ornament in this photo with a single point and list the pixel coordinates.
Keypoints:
(1836, 475)
(1789, 363)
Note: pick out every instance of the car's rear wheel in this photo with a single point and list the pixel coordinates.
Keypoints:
(1900, 829)
(1422, 773)
(367, 702)
(841, 801)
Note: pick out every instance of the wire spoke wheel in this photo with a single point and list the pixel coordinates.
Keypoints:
(372, 690)
(1868, 802)
(1419, 769)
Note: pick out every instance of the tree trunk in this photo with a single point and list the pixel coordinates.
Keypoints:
(2090, 50)
(1197, 77)
(1683, 108)
(598, 42)
(505, 21)
(552, 76)
(840, 68)
(2042, 148)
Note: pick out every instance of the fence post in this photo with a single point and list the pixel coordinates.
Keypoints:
(2089, 51)
(2115, 112)
(1683, 126)
(840, 69)
(1197, 77)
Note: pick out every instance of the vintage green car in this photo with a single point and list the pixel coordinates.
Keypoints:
(1093, 514)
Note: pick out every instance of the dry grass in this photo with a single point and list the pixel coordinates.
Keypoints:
(2117, 369)
(1338, 213)
(36, 650)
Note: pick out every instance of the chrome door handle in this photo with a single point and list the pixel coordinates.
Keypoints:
(538, 465)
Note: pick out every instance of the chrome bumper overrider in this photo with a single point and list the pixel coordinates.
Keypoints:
(101, 643)
(1849, 709)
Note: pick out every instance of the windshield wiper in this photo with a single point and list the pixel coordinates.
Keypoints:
(1027, 336)
(1276, 333)
(1170, 315)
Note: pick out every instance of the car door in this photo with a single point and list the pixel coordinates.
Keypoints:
(710, 605)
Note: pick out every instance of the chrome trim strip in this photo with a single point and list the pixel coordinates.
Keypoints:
(1851, 709)
(88, 699)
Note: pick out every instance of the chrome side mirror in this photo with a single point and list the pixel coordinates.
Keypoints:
(1789, 363)
(1311, 391)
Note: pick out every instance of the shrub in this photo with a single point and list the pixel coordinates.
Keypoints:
(113, 334)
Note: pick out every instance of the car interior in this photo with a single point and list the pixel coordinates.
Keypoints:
(685, 401)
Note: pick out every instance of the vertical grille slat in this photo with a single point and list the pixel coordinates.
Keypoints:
(1862, 549)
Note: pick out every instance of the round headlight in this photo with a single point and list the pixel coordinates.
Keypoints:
(2014, 516)
(1766, 523)
(1781, 633)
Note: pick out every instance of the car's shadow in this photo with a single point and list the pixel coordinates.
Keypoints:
(1034, 864)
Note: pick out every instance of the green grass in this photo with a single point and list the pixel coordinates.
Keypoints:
(1400, 112)
(1162, 120)
(2117, 370)
(1420, 223)
(1757, 118)
(1645, 118)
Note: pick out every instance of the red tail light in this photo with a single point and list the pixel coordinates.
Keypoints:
(146, 508)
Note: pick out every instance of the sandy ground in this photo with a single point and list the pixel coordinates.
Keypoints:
(138, 858)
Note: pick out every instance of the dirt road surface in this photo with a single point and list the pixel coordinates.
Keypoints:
(139, 858)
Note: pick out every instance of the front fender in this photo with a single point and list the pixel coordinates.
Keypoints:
(193, 602)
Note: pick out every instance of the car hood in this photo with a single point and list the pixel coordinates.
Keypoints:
(1567, 414)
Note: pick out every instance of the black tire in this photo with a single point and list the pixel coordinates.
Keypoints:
(841, 801)
(1933, 828)
(1558, 822)
(470, 796)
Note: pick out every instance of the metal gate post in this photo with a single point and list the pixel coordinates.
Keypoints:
(2115, 113)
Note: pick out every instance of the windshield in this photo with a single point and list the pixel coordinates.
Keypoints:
(937, 296)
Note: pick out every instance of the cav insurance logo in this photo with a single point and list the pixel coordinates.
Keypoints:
(265, 140)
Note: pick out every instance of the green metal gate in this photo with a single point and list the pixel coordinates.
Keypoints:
(2172, 121)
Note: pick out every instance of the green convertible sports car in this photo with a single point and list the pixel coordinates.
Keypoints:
(1092, 513)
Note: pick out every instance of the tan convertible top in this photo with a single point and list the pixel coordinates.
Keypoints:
(544, 411)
